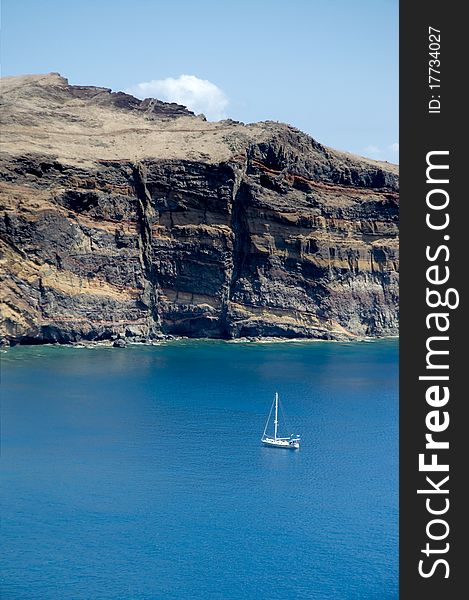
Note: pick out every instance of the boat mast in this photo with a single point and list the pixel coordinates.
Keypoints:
(276, 416)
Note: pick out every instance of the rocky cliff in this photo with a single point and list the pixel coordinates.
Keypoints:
(121, 217)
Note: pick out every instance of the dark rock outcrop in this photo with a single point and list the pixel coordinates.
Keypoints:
(137, 219)
(119, 343)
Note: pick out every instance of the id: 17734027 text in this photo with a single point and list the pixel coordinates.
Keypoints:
(434, 63)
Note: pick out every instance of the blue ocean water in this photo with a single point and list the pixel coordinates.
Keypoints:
(138, 473)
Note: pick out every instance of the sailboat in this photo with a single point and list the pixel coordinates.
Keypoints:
(291, 442)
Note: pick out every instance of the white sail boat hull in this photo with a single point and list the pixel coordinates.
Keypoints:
(290, 444)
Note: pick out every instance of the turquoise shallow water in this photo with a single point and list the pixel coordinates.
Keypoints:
(138, 473)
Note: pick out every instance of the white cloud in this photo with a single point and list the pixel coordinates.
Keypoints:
(372, 150)
(199, 95)
(390, 153)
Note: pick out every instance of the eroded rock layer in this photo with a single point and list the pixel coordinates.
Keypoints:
(140, 219)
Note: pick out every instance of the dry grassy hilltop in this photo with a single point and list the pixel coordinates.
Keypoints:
(139, 219)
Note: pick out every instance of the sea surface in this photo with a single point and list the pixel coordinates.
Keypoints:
(138, 473)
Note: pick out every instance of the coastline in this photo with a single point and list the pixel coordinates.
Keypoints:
(182, 339)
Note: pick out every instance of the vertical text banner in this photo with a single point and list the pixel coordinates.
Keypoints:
(433, 326)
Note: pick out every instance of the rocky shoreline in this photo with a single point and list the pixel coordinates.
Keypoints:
(123, 343)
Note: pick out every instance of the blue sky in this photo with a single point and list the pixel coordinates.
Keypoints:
(329, 67)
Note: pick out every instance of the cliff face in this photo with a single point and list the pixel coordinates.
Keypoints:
(139, 219)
